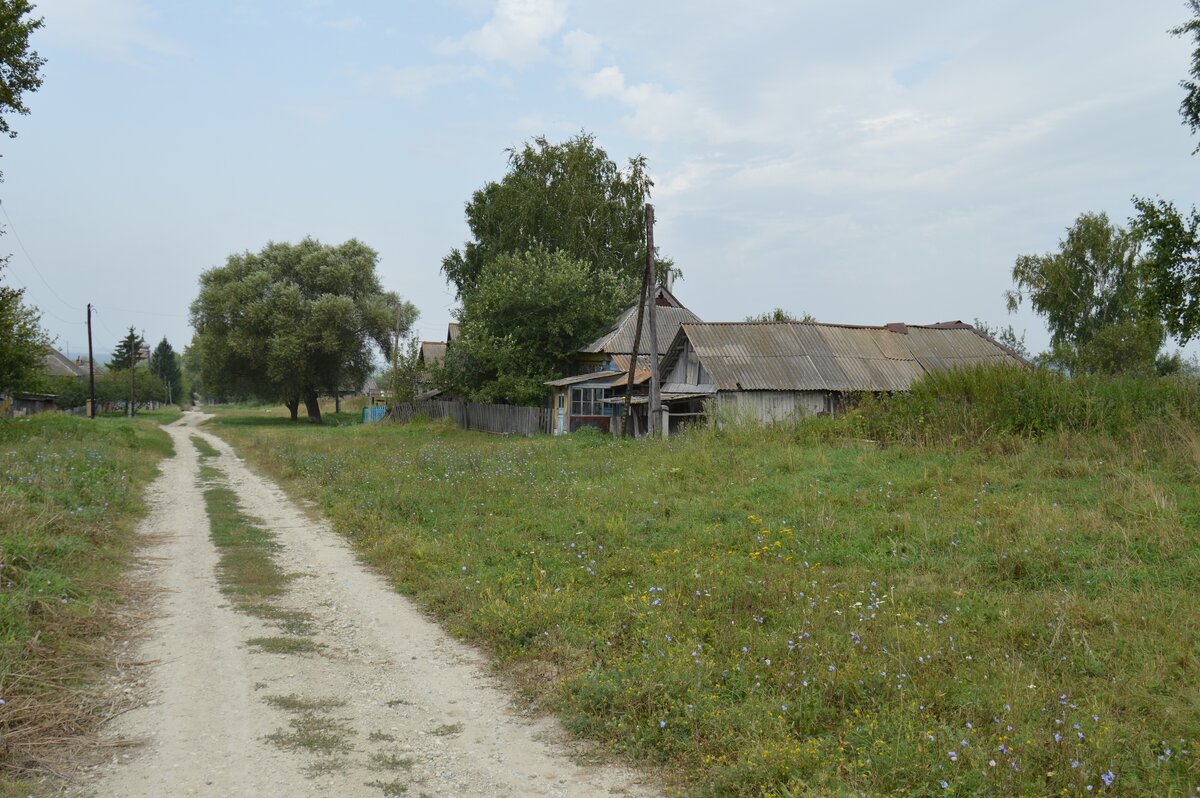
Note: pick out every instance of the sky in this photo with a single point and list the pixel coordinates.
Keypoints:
(864, 162)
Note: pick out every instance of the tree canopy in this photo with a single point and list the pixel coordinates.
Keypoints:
(779, 314)
(1189, 107)
(1092, 295)
(521, 324)
(294, 321)
(569, 197)
(127, 351)
(558, 249)
(23, 342)
(20, 67)
(164, 364)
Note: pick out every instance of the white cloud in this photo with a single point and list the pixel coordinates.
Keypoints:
(116, 30)
(656, 113)
(581, 49)
(515, 32)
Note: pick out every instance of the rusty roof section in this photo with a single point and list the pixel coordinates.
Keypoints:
(809, 356)
(670, 313)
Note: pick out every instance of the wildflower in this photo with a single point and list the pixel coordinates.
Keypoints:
(1075, 763)
(1108, 778)
(945, 785)
(953, 755)
(662, 724)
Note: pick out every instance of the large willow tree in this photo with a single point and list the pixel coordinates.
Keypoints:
(294, 321)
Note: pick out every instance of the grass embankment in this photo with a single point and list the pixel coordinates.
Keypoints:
(799, 612)
(70, 496)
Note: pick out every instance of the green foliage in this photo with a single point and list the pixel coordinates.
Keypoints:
(22, 340)
(569, 197)
(779, 314)
(982, 404)
(127, 352)
(527, 314)
(164, 364)
(777, 615)
(70, 494)
(404, 380)
(1189, 107)
(293, 321)
(1006, 336)
(20, 67)
(1091, 293)
(1171, 264)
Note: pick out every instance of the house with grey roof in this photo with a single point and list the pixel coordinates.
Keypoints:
(592, 395)
(776, 371)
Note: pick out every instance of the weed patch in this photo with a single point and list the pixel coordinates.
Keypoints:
(315, 733)
(284, 645)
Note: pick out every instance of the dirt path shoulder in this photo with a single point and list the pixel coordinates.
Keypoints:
(389, 704)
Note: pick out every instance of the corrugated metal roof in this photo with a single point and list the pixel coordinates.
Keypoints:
(802, 356)
(619, 337)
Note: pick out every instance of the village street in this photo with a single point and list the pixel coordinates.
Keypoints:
(399, 705)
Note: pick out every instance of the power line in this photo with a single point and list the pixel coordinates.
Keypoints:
(41, 309)
(17, 235)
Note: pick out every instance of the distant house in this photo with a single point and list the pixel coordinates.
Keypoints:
(430, 354)
(784, 370)
(56, 364)
(593, 395)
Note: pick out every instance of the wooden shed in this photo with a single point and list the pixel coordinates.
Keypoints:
(776, 371)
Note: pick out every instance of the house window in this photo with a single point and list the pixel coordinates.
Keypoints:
(586, 401)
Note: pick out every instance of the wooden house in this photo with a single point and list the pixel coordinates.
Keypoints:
(775, 371)
(594, 394)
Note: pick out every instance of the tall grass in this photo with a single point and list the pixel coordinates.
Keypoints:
(70, 494)
(799, 611)
(988, 402)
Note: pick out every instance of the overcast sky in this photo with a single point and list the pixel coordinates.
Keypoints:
(864, 162)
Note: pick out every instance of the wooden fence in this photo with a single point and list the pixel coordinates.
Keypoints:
(499, 419)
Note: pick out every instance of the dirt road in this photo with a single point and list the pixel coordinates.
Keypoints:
(390, 704)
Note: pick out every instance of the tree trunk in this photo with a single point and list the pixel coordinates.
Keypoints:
(314, 408)
(293, 406)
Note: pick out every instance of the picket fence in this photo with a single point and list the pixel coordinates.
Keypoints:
(499, 419)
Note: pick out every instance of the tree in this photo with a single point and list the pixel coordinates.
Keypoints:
(294, 321)
(165, 365)
(127, 351)
(22, 340)
(566, 214)
(512, 339)
(1189, 108)
(1006, 336)
(1171, 264)
(567, 197)
(404, 378)
(20, 67)
(779, 314)
(1092, 295)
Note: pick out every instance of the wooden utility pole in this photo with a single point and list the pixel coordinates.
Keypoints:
(91, 367)
(633, 359)
(132, 369)
(655, 386)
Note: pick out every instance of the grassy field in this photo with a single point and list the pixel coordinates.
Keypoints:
(70, 495)
(798, 611)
